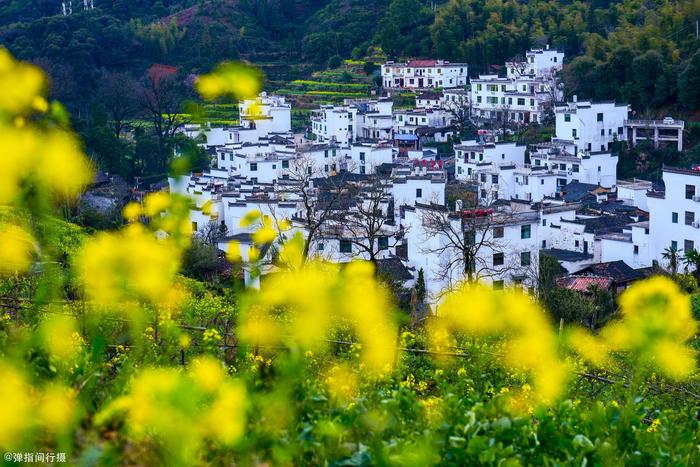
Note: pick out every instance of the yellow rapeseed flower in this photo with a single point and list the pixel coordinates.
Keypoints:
(16, 249)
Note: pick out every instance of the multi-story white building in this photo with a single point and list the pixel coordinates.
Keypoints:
(591, 126)
(674, 214)
(562, 158)
(355, 119)
(266, 113)
(521, 100)
(423, 74)
(541, 63)
(470, 154)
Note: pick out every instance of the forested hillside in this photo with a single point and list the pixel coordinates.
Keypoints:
(631, 49)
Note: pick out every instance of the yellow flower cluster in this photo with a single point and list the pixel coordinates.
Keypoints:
(230, 79)
(531, 344)
(24, 408)
(655, 325)
(316, 296)
(182, 409)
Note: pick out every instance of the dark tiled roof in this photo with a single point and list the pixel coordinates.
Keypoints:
(584, 283)
(566, 255)
(576, 191)
(394, 268)
(618, 271)
(604, 223)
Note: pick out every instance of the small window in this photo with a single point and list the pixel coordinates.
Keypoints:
(362, 156)
(689, 191)
(544, 243)
(498, 232)
(688, 246)
(541, 181)
(674, 217)
(253, 167)
(525, 258)
(525, 231)
(498, 259)
(674, 245)
(567, 117)
(689, 217)
(602, 132)
(319, 247)
(419, 192)
(600, 116)
(544, 222)
(576, 244)
(285, 164)
(573, 132)
(494, 179)
(574, 168)
(620, 130)
(636, 249)
(383, 243)
(345, 246)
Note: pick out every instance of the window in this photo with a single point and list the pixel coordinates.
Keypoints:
(689, 217)
(383, 243)
(362, 156)
(319, 247)
(325, 168)
(478, 99)
(636, 249)
(525, 258)
(285, 164)
(498, 232)
(674, 217)
(674, 245)
(544, 243)
(573, 132)
(576, 244)
(362, 169)
(274, 166)
(541, 181)
(525, 231)
(521, 101)
(494, 179)
(194, 226)
(419, 192)
(602, 132)
(600, 116)
(567, 117)
(253, 167)
(483, 178)
(574, 168)
(688, 245)
(544, 222)
(223, 156)
(620, 130)
(345, 246)
(325, 153)
(498, 285)
(689, 191)
(498, 259)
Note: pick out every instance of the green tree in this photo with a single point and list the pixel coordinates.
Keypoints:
(689, 84)
(420, 285)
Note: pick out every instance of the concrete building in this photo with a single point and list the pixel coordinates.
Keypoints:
(591, 126)
(424, 74)
(660, 132)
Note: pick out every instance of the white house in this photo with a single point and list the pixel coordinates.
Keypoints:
(591, 126)
(538, 62)
(423, 74)
(266, 113)
(674, 214)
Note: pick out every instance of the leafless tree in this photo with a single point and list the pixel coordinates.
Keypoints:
(319, 195)
(368, 223)
(118, 94)
(460, 110)
(463, 240)
(161, 100)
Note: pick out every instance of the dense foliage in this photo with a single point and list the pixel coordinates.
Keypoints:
(109, 356)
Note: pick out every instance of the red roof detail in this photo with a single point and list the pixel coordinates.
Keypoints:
(583, 283)
(158, 71)
(421, 63)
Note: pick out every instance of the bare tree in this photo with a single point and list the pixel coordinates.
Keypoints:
(460, 110)
(368, 223)
(118, 94)
(161, 99)
(462, 241)
(319, 195)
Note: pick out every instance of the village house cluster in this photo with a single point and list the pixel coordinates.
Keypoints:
(367, 182)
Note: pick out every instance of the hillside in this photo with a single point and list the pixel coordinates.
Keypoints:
(627, 50)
